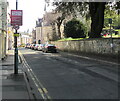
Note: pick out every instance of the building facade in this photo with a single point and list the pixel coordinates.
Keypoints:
(24, 38)
(3, 28)
(44, 28)
(34, 36)
(38, 29)
(10, 31)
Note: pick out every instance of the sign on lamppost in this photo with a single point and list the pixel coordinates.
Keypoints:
(16, 17)
(16, 21)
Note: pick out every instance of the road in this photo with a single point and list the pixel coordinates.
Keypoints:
(71, 77)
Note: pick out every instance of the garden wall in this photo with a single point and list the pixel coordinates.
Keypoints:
(97, 46)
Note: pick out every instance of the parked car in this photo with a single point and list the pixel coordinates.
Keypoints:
(27, 45)
(36, 46)
(32, 46)
(49, 48)
(40, 46)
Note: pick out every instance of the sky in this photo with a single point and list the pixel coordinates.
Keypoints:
(32, 10)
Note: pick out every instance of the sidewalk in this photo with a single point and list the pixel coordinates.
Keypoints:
(13, 86)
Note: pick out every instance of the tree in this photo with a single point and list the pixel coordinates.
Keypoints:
(94, 9)
(59, 21)
(63, 13)
(54, 35)
(97, 18)
(117, 7)
(111, 13)
(75, 29)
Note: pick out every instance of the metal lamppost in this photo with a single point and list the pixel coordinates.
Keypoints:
(16, 49)
(16, 21)
(110, 22)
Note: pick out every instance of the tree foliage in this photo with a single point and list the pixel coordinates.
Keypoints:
(117, 7)
(110, 13)
(69, 8)
(75, 29)
(62, 8)
(94, 9)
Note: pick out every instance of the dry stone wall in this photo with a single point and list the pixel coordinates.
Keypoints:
(96, 46)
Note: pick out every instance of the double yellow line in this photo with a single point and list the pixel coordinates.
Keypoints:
(42, 90)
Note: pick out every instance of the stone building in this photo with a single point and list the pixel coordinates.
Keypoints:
(38, 29)
(24, 38)
(10, 31)
(10, 38)
(47, 29)
(44, 28)
(33, 36)
(3, 28)
(50, 27)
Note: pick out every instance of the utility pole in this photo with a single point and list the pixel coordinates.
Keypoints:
(16, 49)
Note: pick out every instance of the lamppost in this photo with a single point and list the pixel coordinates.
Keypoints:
(16, 49)
(111, 44)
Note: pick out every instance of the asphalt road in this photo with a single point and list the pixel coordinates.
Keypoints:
(72, 77)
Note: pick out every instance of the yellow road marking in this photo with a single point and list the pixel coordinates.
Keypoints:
(45, 90)
(41, 90)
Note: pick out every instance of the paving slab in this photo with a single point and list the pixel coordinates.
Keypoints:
(12, 86)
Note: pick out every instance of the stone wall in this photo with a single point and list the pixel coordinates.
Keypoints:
(96, 46)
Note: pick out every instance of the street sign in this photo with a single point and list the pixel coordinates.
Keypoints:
(16, 17)
(16, 34)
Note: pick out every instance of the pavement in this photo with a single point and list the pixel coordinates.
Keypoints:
(12, 86)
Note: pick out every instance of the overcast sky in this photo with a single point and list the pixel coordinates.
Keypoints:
(32, 10)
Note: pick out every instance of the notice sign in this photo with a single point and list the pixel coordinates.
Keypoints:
(16, 17)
